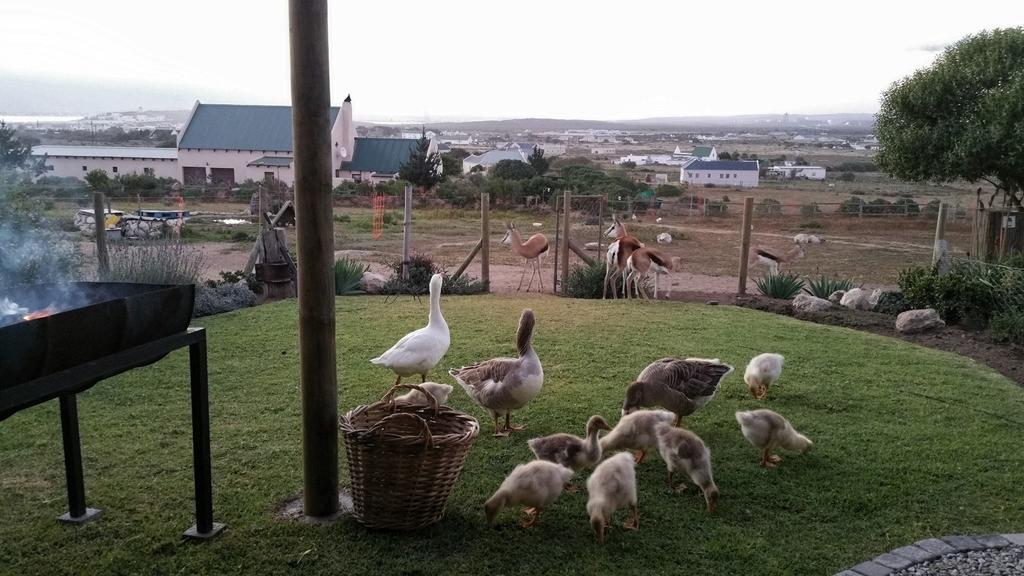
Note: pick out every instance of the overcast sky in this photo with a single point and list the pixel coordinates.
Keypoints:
(475, 59)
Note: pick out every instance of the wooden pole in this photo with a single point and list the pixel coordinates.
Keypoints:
(311, 134)
(600, 223)
(748, 214)
(99, 217)
(465, 263)
(407, 232)
(564, 254)
(485, 238)
(940, 234)
(558, 242)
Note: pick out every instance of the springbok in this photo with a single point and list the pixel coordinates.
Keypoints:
(618, 253)
(532, 250)
(642, 263)
(774, 259)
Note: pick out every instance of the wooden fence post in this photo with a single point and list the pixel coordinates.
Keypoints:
(311, 134)
(99, 217)
(485, 238)
(940, 234)
(748, 214)
(407, 235)
(564, 254)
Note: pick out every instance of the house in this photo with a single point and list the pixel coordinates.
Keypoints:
(602, 150)
(721, 173)
(228, 143)
(552, 149)
(704, 153)
(77, 161)
(492, 157)
(791, 171)
(637, 159)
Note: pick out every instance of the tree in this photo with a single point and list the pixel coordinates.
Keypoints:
(98, 180)
(537, 160)
(513, 170)
(458, 153)
(14, 153)
(961, 117)
(450, 167)
(423, 168)
(725, 156)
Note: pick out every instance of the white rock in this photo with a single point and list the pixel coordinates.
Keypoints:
(837, 296)
(538, 224)
(372, 282)
(857, 299)
(807, 303)
(922, 320)
(875, 296)
(664, 238)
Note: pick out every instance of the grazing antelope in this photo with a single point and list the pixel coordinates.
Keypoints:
(532, 250)
(773, 259)
(618, 254)
(639, 266)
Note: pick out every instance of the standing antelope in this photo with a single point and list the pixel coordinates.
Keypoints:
(773, 259)
(532, 250)
(644, 261)
(618, 253)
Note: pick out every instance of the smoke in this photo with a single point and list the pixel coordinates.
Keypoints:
(32, 248)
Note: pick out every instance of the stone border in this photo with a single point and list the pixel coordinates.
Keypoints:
(930, 549)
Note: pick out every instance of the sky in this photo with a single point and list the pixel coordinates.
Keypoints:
(456, 59)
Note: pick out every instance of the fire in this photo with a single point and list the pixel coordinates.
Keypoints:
(43, 313)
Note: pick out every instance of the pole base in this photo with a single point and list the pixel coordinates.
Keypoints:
(90, 515)
(193, 533)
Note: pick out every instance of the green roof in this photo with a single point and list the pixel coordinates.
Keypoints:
(381, 155)
(272, 161)
(702, 151)
(241, 127)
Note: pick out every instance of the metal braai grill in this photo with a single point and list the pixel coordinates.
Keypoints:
(57, 340)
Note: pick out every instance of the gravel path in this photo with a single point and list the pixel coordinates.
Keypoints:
(1007, 561)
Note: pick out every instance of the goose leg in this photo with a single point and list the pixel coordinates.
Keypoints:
(766, 459)
(640, 455)
(423, 378)
(508, 424)
(499, 432)
(533, 516)
(571, 488)
(633, 522)
(398, 380)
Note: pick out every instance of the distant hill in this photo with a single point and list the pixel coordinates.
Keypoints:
(838, 121)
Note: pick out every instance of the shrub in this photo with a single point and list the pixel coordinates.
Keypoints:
(906, 205)
(222, 298)
(811, 225)
(810, 210)
(966, 294)
(234, 277)
(421, 268)
(709, 185)
(847, 177)
(725, 198)
(390, 218)
(513, 170)
(878, 206)
(164, 261)
(892, 303)
(783, 286)
(668, 190)
(342, 218)
(932, 208)
(823, 287)
(585, 281)
(715, 208)
(851, 205)
(1008, 325)
(348, 276)
(768, 207)
(30, 250)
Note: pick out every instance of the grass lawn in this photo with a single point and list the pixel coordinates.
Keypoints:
(910, 443)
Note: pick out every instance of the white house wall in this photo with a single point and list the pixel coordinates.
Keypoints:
(237, 160)
(78, 167)
(721, 178)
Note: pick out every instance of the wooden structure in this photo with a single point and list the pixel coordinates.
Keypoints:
(997, 233)
(311, 133)
(748, 214)
(563, 237)
(100, 232)
(482, 246)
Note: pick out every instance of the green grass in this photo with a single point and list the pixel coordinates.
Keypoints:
(910, 443)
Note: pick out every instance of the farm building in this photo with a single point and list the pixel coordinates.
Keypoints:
(805, 172)
(721, 173)
(77, 161)
(608, 150)
(705, 153)
(638, 159)
(508, 151)
(231, 143)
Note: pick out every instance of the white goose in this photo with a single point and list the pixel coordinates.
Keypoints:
(420, 350)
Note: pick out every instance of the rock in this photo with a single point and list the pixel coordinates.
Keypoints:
(808, 303)
(836, 296)
(664, 238)
(856, 299)
(373, 282)
(712, 302)
(922, 320)
(875, 296)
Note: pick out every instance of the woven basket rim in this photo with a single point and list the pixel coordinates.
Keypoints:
(468, 426)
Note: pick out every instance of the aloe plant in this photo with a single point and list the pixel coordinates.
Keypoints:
(783, 286)
(824, 286)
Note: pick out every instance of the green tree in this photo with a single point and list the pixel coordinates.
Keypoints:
(98, 180)
(14, 153)
(725, 156)
(458, 153)
(422, 169)
(450, 166)
(960, 118)
(537, 160)
(513, 170)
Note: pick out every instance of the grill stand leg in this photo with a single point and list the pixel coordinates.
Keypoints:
(77, 513)
(204, 528)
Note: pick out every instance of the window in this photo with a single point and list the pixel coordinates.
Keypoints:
(147, 171)
(337, 173)
(268, 175)
(49, 167)
(115, 169)
(85, 168)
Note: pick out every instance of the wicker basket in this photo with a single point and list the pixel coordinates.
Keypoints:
(403, 460)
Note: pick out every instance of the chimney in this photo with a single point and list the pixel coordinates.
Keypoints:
(348, 130)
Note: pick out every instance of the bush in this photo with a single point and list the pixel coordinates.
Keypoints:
(513, 170)
(811, 225)
(348, 276)
(878, 206)
(966, 294)
(586, 281)
(715, 208)
(782, 286)
(1008, 325)
(932, 208)
(709, 185)
(823, 287)
(668, 190)
(768, 207)
(222, 298)
(421, 268)
(906, 205)
(164, 261)
(30, 250)
(342, 218)
(893, 303)
(847, 177)
(852, 205)
(810, 210)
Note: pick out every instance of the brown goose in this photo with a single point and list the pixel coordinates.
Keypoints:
(680, 385)
(569, 450)
(503, 385)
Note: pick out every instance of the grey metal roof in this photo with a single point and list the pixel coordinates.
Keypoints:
(241, 127)
(492, 157)
(737, 165)
(380, 155)
(272, 161)
(147, 153)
